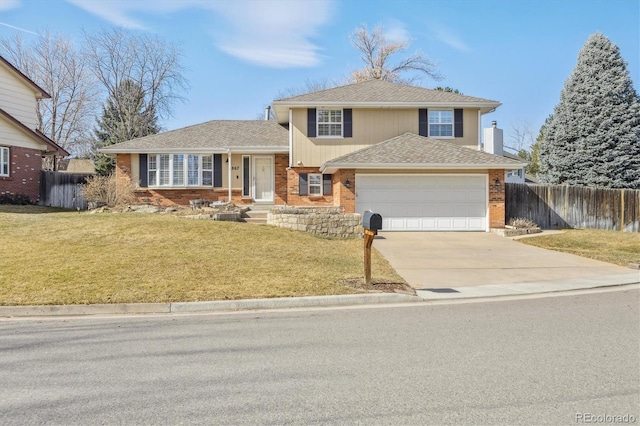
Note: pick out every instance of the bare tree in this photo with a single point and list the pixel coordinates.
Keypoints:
(521, 137)
(54, 63)
(116, 55)
(377, 52)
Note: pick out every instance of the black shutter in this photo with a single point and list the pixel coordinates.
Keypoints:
(457, 123)
(303, 188)
(311, 122)
(423, 122)
(144, 171)
(347, 132)
(326, 185)
(217, 170)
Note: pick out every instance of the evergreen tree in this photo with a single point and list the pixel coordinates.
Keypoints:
(125, 116)
(593, 136)
(448, 90)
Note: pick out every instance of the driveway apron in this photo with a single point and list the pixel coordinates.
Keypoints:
(463, 259)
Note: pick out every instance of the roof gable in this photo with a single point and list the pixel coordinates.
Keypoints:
(38, 91)
(380, 93)
(412, 151)
(36, 135)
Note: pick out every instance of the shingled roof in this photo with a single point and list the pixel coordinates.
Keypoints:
(212, 136)
(411, 151)
(377, 93)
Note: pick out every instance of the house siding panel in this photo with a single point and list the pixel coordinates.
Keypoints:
(370, 126)
(17, 98)
(11, 135)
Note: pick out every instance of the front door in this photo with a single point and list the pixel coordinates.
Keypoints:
(263, 179)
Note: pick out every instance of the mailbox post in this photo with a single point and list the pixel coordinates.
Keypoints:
(371, 222)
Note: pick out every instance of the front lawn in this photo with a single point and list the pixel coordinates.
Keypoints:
(49, 256)
(616, 247)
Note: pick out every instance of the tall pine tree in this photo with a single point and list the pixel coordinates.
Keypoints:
(593, 136)
(125, 116)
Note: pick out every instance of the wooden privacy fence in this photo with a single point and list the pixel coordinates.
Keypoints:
(559, 206)
(62, 190)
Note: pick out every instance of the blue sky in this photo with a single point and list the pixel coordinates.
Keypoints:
(241, 54)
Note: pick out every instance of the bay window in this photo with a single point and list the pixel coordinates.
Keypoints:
(180, 170)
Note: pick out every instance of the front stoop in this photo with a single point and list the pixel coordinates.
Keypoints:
(256, 215)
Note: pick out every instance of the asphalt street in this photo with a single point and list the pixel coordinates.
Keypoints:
(551, 360)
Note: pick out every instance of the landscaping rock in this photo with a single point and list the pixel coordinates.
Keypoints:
(227, 216)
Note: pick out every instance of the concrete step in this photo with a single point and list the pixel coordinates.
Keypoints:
(261, 207)
(255, 220)
(256, 214)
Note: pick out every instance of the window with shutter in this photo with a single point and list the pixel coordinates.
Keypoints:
(314, 184)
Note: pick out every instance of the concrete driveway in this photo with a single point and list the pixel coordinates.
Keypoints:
(440, 260)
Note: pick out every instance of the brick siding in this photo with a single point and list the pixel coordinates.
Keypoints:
(172, 197)
(496, 199)
(293, 187)
(24, 173)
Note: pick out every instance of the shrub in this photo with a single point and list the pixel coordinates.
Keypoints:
(522, 223)
(15, 199)
(108, 190)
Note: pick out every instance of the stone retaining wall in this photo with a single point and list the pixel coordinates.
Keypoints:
(325, 221)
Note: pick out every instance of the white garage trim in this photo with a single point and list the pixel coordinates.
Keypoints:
(426, 202)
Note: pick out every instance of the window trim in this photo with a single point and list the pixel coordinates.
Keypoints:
(154, 171)
(246, 176)
(314, 185)
(452, 123)
(319, 123)
(5, 156)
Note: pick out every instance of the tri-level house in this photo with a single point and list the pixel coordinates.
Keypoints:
(409, 153)
(22, 145)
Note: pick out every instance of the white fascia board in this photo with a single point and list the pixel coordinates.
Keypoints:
(333, 167)
(258, 149)
(459, 104)
(234, 149)
(163, 151)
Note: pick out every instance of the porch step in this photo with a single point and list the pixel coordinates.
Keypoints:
(254, 216)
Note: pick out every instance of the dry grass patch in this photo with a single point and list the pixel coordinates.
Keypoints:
(620, 248)
(58, 257)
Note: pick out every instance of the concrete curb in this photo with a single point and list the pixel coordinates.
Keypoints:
(423, 295)
(213, 306)
(497, 290)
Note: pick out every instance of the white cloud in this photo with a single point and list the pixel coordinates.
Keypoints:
(114, 11)
(274, 33)
(396, 31)
(448, 37)
(9, 4)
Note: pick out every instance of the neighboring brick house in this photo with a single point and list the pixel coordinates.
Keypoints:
(22, 145)
(409, 153)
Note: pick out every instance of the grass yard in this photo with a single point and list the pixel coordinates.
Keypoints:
(48, 256)
(620, 248)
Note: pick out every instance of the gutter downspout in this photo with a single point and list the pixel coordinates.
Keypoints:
(229, 172)
(479, 130)
(290, 138)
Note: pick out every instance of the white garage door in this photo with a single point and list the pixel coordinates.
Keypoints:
(425, 202)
